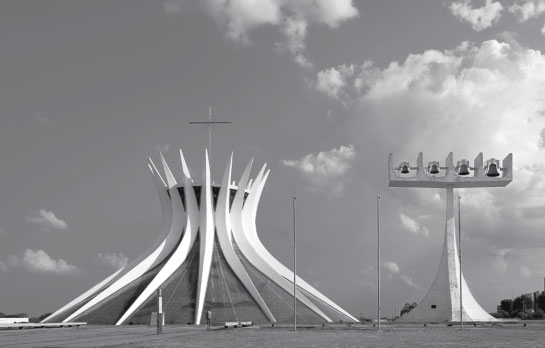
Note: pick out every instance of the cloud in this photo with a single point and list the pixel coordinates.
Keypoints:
(529, 9)
(332, 81)
(325, 169)
(391, 267)
(2, 231)
(238, 18)
(114, 260)
(394, 273)
(502, 258)
(479, 18)
(525, 272)
(408, 280)
(3, 267)
(41, 118)
(473, 98)
(173, 7)
(368, 270)
(38, 261)
(161, 148)
(368, 285)
(543, 32)
(47, 219)
(412, 225)
(295, 32)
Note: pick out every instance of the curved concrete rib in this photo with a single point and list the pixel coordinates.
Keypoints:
(160, 186)
(206, 239)
(249, 215)
(238, 220)
(147, 261)
(84, 296)
(181, 252)
(223, 225)
(177, 228)
(185, 168)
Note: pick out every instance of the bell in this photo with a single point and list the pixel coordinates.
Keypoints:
(404, 168)
(492, 169)
(463, 170)
(434, 168)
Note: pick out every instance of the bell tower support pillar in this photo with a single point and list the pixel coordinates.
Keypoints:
(442, 301)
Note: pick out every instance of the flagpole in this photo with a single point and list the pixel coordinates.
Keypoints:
(378, 263)
(294, 269)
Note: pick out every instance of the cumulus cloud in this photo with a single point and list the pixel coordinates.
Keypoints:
(332, 81)
(3, 267)
(525, 272)
(480, 18)
(408, 280)
(325, 169)
(47, 219)
(412, 225)
(238, 18)
(391, 267)
(394, 272)
(543, 32)
(473, 98)
(38, 261)
(528, 9)
(114, 260)
(502, 258)
(295, 31)
(173, 7)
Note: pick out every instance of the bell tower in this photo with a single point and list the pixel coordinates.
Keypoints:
(449, 298)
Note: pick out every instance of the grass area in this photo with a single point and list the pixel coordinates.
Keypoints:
(341, 336)
(430, 336)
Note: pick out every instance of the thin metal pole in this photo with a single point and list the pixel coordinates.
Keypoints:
(294, 269)
(210, 135)
(159, 312)
(460, 257)
(378, 263)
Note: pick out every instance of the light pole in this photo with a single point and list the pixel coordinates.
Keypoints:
(460, 256)
(378, 263)
(294, 269)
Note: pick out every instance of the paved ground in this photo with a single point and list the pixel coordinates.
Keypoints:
(407, 336)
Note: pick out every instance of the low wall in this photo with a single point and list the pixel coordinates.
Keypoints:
(13, 320)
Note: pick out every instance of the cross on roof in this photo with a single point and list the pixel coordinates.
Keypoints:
(208, 124)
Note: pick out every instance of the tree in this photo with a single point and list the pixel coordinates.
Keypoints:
(18, 315)
(518, 305)
(407, 308)
(43, 316)
(507, 305)
(500, 314)
(538, 314)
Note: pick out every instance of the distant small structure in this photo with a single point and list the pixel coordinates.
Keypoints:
(14, 320)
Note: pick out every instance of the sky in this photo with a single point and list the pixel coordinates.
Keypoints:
(321, 91)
